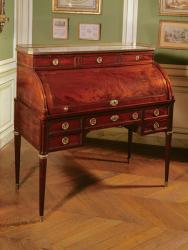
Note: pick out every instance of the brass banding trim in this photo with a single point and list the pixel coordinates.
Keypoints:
(16, 133)
(42, 157)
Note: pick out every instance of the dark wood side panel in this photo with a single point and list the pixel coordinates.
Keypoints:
(30, 90)
(27, 123)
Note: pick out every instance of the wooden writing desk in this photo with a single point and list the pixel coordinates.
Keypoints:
(65, 92)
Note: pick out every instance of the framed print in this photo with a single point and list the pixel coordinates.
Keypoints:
(77, 6)
(173, 34)
(173, 7)
(60, 28)
(89, 31)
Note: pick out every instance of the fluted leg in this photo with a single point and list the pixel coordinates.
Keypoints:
(167, 155)
(17, 146)
(42, 183)
(130, 136)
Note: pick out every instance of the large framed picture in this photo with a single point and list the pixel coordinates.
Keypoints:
(173, 7)
(173, 34)
(77, 6)
(89, 31)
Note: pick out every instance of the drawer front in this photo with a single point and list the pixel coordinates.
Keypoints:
(155, 112)
(155, 125)
(64, 125)
(64, 141)
(54, 61)
(99, 60)
(136, 58)
(114, 119)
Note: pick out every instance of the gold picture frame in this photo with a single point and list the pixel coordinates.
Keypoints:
(90, 31)
(173, 35)
(173, 7)
(77, 6)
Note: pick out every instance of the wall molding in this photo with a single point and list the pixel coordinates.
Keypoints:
(24, 21)
(130, 15)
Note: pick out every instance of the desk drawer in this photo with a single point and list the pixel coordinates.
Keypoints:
(136, 58)
(99, 60)
(54, 61)
(155, 125)
(64, 141)
(156, 112)
(114, 119)
(64, 125)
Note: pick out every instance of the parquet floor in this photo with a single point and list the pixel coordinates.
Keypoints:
(95, 200)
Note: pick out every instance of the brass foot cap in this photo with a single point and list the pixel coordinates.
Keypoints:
(166, 183)
(41, 218)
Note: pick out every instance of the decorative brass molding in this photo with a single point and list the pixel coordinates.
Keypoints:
(3, 18)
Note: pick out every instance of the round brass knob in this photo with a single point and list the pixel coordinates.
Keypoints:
(99, 59)
(135, 116)
(55, 61)
(65, 140)
(137, 58)
(93, 121)
(65, 125)
(114, 118)
(114, 103)
(66, 108)
(156, 125)
(156, 112)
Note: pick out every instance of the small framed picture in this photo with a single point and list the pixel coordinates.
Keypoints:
(173, 7)
(60, 28)
(89, 31)
(173, 34)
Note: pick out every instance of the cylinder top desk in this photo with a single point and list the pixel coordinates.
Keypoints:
(65, 92)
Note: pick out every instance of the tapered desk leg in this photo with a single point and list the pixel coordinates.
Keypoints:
(42, 183)
(130, 137)
(17, 145)
(167, 155)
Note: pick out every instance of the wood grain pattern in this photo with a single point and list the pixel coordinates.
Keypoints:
(95, 200)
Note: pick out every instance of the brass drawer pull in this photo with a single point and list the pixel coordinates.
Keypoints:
(135, 116)
(65, 126)
(114, 118)
(65, 140)
(99, 60)
(156, 125)
(156, 112)
(66, 108)
(93, 121)
(114, 103)
(137, 58)
(55, 62)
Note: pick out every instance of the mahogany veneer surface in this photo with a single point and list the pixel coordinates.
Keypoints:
(63, 93)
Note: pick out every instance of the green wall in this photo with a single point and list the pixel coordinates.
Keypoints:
(111, 21)
(148, 26)
(6, 37)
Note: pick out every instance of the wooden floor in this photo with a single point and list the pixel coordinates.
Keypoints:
(95, 200)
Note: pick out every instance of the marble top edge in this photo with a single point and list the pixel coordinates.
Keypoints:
(36, 50)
